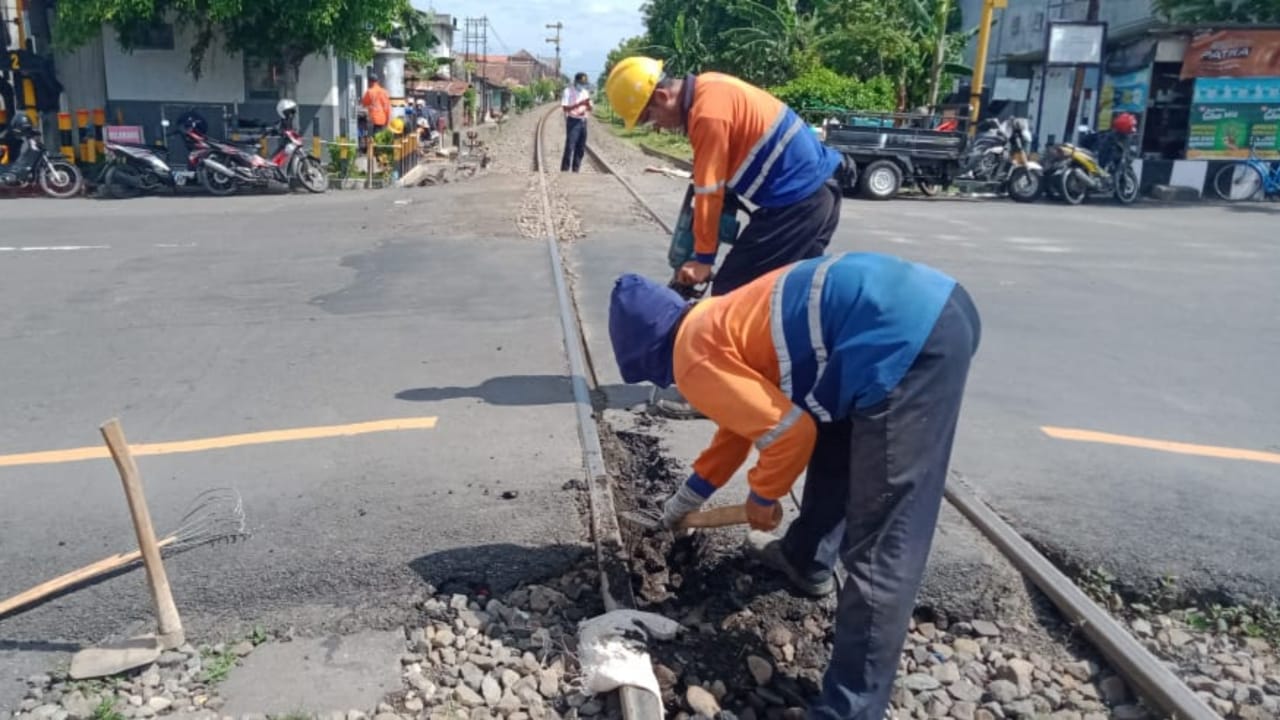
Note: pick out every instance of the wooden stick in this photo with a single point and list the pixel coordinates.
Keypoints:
(716, 517)
(75, 577)
(170, 633)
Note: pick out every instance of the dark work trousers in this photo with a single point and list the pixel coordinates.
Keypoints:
(575, 143)
(775, 237)
(883, 472)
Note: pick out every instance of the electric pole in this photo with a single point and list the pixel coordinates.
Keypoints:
(475, 40)
(557, 26)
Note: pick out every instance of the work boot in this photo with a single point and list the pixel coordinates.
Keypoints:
(816, 580)
(670, 403)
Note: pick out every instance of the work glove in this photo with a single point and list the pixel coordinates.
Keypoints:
(684, 501)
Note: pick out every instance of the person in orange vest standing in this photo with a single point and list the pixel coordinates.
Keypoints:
(378, 104)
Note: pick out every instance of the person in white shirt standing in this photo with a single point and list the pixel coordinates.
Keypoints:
(576, 103)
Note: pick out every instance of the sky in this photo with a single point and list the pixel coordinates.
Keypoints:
(590, 31)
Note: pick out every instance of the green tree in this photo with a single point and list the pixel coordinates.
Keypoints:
(1234, 11)
(283, 32)
(821, 91)
(638, 45)
(918, 43)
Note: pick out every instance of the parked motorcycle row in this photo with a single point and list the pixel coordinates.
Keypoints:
(1100, 165)
(219, 167)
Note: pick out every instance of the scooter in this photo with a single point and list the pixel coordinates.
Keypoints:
(35, 165)
(1101, 164)
(133, 170)
(290, 165)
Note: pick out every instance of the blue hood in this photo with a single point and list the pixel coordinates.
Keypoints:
(643, 317)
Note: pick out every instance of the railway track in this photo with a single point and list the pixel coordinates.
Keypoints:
(1150, 678)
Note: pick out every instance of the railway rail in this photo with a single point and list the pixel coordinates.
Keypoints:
(1159, 686)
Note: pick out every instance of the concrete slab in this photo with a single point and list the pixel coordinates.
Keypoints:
(334, 673)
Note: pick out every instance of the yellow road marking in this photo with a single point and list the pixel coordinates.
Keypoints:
(223, 441)
(1180, 448)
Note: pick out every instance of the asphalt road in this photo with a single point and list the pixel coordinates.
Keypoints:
(1159, 324)
(201, 318)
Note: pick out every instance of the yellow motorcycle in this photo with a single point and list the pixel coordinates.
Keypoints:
(1074, 171)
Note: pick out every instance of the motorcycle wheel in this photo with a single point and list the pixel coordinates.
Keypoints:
(1072, 186)
(927, 189)
(116, 188)
(312, 175)
(1127, 186)
(1024, 185)
(60, 179)
(215, 183)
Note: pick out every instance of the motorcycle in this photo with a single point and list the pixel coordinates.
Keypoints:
(133, 170)
(998, 157)
(1101, 164)
(290, 165)
(53, 173)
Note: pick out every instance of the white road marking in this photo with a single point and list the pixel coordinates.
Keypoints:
(902, 241)
(174, 245)
(1026, 240)
(52, 248)
(1048, 249)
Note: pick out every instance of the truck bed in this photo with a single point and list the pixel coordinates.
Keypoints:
(892, 134)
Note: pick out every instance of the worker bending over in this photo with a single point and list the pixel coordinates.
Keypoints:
(746, 144)
(870, 343)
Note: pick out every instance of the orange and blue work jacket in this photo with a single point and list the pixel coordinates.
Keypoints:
(816, 341)
(750, 143)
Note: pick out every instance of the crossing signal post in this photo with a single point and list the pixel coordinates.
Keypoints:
(980, 61)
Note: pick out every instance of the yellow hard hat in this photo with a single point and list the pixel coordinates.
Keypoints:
(397, 126)
(630, 85)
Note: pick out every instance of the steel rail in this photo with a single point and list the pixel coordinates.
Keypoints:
(615, 586)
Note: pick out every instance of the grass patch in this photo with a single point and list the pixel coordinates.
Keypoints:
(1249, 619)
(217, 666)
(106, 710)
(670, 143)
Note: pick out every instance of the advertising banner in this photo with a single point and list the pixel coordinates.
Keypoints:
(1123, 93)
(1230, 115)
(1233, 53)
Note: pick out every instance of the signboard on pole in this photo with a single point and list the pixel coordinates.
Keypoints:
(1076, 43)
(1230, 115)
(1233, 53)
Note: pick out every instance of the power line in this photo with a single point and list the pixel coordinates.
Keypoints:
(497, 37)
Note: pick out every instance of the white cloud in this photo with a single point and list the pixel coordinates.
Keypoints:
(590, 30)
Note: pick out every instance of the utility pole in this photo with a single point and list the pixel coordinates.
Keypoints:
(980, 62)
(475, 41)
(557, 26)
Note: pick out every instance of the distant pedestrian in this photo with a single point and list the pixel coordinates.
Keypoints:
(576, 104)
(378, 103)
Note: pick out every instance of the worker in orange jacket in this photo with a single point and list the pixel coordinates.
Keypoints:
(870, 343)
(378, 104)
(748, 147)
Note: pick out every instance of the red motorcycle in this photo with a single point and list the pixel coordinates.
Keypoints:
(230, 166)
